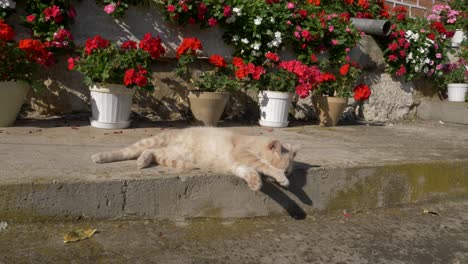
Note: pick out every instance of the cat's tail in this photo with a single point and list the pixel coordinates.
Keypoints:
(131, 152)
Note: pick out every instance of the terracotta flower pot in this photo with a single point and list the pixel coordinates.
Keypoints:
(12, 94)
(207, 107)
(329, 109)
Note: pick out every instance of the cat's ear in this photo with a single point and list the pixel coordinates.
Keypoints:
(274, 146)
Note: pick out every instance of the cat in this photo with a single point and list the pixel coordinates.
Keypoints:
(209, 147)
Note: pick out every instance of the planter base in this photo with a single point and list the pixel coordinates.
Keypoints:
(12, 96)
(114, 125)
(273, 124)
(207, 107)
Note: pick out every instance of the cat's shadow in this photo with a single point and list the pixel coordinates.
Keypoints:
(298, 180)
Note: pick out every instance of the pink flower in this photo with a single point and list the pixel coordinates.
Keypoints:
(297, 35)
(439, 55)
(171, 8)
(401, 71)
(439, 67)
(290, 5)
(331, 28)
(71, 12)
(227, 11)
(288, 23)
(31, 18)
(110, 8)
(348, 30)
(347, 50)
(212, 22)
(392, 57)
(334, 42)
(51, 12)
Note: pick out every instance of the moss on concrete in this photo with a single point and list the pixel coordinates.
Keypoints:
(407, 183)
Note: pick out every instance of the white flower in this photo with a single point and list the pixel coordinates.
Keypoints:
(270, 45)
(258, 20)
(272, 19)
(231, 19)
(256, 53)
(416, 68)
(7, 4)
(269, 32)
(237, 10)
(422, 50)
(275, 43)
(278, 35)
(427, 61)
(256, 46)
(235, 38)
(245, 41)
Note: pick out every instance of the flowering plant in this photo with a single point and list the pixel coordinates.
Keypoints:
(221, 79)
(6, 7)
(49, 22)
(128, 64)
(415, 48)
(456, 72)
(324, 32)
(339, 83)
(450, 18)
(18, 61)
(115, 8)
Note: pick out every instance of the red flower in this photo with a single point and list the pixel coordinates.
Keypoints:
(31, 18)
(364, 4)
(36, 51)
(272, 56)
(129, 76)
(171, 8)
(71, 63)
(392, 57)
(95, 43)
(212, 22)
(401, 71)
(362, 92)
(192, 21)
(344, 69)
(327, 77)
(136, 77)
(345, 16)
(217, 61)
(6, 32)
(52, 12)
(402, 54)
(152, 45)
(431, 36)
(241, 72)
(303, 13)
(349, 2)
(238, 62)
(227, 11)
(393, 46)
(202, 11)
(71, 12)
(189, 45)
(128, 45)
(313, 58)
(258, 72)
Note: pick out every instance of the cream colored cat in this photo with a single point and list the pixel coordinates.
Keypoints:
(208, 147)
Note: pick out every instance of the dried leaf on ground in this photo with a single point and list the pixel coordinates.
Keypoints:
(79, 234)
(430, 212)
(3, 225)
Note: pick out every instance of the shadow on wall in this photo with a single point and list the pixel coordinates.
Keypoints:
(138, 21)
(298, 180)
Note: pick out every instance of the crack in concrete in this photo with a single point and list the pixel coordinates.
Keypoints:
(124, 195)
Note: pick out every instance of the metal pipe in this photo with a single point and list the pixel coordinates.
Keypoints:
(372, 26)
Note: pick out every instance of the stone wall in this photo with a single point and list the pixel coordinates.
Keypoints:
(417, 8)
(65, 92)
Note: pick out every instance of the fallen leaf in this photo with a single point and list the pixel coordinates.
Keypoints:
(346, 214)
(74, 127)
(425, 211)
(77, 235)
(3, 225)
(118, 132)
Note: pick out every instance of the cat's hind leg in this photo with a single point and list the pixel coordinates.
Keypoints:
(253, 179)
(167, 157)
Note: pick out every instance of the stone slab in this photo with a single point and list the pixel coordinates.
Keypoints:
(455, 112)
(46, 172)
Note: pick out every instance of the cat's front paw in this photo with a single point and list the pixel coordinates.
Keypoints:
(254, 181)
(97, 158)
(284, 182)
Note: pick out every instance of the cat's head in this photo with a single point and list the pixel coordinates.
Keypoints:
(281, 156)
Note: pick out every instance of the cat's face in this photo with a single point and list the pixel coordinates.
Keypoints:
(281, 156)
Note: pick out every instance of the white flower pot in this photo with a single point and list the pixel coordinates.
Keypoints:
(274, 108)
(457, 38)
(456, 92)
(12, 94)
(111, 105)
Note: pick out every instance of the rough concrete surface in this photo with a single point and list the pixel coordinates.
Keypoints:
(397, 235)
(455, 112)
(47, 172)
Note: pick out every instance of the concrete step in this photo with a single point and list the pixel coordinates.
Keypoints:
(455, 112)
(46, 173)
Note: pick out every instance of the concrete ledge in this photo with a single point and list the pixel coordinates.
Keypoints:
(312, 189)
(47, 173)
(455, 112)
